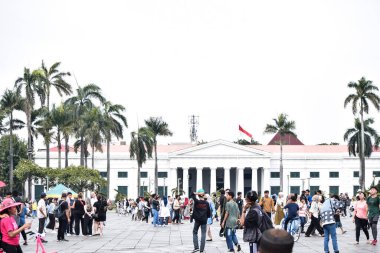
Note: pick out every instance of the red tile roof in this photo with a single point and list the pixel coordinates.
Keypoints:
(287, 139)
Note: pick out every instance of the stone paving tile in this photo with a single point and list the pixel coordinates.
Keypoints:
(123, 235)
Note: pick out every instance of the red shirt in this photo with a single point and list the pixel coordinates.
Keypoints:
(9, 224)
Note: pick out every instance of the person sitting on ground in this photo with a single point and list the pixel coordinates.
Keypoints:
(275, 241)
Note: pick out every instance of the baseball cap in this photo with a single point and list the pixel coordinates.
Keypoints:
(201, 191)
(359, 190)
(43, 195)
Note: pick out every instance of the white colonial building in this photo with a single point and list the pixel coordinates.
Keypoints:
(222, 164)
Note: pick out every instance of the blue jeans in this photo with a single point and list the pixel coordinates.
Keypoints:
(303, 222)
(231, 238)
(330, 230)
(155, 217)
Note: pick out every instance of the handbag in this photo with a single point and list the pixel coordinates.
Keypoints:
(251, 235)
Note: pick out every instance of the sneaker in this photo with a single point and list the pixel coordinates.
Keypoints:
(238, 247)
(195, 250)
(374, 242)
(231, 250)
(209, 240)
(344, 232)
(25, 243)
(68, 235)
(43, 241)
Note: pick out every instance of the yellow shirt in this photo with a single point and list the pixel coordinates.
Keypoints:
(34, 206)
(268, 204)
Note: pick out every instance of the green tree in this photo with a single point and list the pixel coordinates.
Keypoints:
(94, 124)
(283, 126)
(364, 93)
(19, 151)
(245, 142)
(27, 170)
(141, 148)
(113, 123)
(82, 102)
(10, 102)
(353, 136)
(28, 83)
(51, 78)
(158, 127)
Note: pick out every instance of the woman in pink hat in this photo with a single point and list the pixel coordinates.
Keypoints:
(9, 230)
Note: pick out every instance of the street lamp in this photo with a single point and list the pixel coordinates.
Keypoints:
(374, 178)
(288, 184)
(178, 180)
(164, 186)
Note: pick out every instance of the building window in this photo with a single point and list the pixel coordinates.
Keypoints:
(274, 189)
(163, 191)
(275, 174)
(356, 173)
(143, 190)
(334, 190)
(314, 174)
(123, 190)
(334, 174)
(376, 173)
(103, 173)
(356, 188)
(144, 174)
(313, 190)
(122, 174)
(294, 174)
(162, 175)
(295, 189)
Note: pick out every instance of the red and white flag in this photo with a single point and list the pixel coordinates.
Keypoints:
(245, 132)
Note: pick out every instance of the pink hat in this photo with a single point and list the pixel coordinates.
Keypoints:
(7, 203)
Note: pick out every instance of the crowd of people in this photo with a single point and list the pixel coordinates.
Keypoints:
(256, 216)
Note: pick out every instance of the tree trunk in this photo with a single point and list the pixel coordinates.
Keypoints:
(81, 151)
(281, 169)
(59, 148)
(92, 156)
(108, 167)
(30, 148)
(138, 178)
(47, 154)
(155, 167)
(66, 151)
(11, 153)
(30, 187)
(362, 148)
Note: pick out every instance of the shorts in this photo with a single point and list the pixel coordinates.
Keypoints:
(338, 224)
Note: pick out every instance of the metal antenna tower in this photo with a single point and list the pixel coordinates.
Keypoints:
(194, 123)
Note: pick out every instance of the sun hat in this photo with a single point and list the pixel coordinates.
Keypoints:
(8, 203)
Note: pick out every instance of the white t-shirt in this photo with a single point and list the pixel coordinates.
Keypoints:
(41, 205)
(93, 201)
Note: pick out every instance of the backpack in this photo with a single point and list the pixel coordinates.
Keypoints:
(265, 221)
(58, 213)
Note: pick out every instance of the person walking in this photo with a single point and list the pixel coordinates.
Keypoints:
(41, 215)
(51, 224)
(155, 209)
(267, 204)
(251, 221)
(10, 231)
(100, 215)
(164, 212)
(146, 209)
(240, 202)
(177, 209)
(314, 214)
(229, 223)
(373, 202)
(360, 217)
(201, 213)
(328, 209)
(23, 213)
(78, 208)
(64, 219)
(279, 209)
(210, 219)
(302, 213)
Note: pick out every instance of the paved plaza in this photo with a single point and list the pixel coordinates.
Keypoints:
(123, 235)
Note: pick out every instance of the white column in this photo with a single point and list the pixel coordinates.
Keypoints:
(265, 182)
(199, 179)
(185, 182)
(213, 180)
(254, 179)
(240, 181)
(227, 179)
(171, 181)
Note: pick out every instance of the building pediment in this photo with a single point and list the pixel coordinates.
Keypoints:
(219, 148)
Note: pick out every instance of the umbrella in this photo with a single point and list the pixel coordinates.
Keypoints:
(56, 192)
(2, 184)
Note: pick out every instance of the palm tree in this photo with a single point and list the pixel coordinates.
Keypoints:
(158, 127)
(364, 93)
(49, 78)
(67, 131)
(11, 101)
(94, 124)
(29, 83)
(353, 136)
(113, 122)
(282, 126)
(81, 103)
(141, 148)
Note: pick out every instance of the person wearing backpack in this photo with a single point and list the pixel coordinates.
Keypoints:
(62, 212)
(251, 220)
(201, 214)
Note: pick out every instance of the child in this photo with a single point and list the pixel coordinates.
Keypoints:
(338, 224)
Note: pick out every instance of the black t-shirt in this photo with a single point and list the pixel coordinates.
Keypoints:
(99, 205)
(155, 204)
(239, 202)
(79, 207)
(201, 210)
(63, 206)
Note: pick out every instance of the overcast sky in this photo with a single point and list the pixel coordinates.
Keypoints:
(229, 62)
